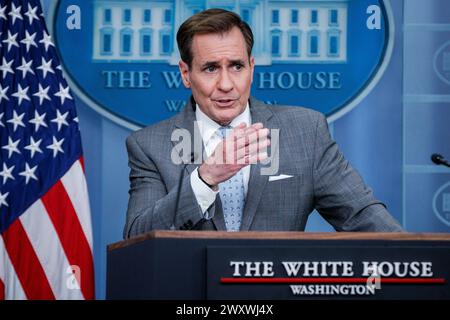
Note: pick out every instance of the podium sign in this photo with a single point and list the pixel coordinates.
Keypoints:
(397, 271)
(279, 265)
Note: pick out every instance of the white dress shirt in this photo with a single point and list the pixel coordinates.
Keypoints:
(208, 129)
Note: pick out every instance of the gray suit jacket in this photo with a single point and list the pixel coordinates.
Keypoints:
(322, 179)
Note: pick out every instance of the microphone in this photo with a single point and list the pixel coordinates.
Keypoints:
(439, 160)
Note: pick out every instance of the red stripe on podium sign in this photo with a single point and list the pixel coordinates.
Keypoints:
(333, 280)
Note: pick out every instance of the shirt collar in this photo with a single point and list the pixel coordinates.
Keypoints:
(208, 127)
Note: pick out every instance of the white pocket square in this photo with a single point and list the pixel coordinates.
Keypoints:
(280, 177)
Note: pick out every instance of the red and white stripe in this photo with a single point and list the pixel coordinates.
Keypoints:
(8, 279)
(53, 234)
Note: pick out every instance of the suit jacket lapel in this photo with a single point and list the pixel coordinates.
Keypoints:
(186, 120)
(257, 182)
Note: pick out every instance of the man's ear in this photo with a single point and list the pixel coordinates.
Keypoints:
(184, 71)
(252, 67)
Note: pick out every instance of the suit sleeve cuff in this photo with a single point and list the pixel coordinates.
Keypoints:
(205, 195)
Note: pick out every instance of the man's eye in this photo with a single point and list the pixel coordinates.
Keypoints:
(210, 69)
(238, 66)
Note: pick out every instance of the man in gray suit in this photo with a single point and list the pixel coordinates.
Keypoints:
(228, 190)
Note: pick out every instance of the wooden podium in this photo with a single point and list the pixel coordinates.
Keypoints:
(279, 265)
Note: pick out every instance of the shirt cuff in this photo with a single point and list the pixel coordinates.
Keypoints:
(205, 195)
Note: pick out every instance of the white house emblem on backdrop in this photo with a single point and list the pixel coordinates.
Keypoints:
(323, 54)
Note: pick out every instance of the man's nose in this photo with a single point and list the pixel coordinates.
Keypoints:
(225, 83)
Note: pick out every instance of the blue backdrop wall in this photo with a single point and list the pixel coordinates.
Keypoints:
(389, 136)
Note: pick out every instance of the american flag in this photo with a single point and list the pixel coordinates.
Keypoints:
(45, 223)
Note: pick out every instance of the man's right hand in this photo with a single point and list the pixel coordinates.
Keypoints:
(243, 146)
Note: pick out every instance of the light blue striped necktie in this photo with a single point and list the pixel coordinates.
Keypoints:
(232, 195)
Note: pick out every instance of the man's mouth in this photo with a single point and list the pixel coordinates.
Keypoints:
(224, 103)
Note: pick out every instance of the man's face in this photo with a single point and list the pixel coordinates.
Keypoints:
(221, 74)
